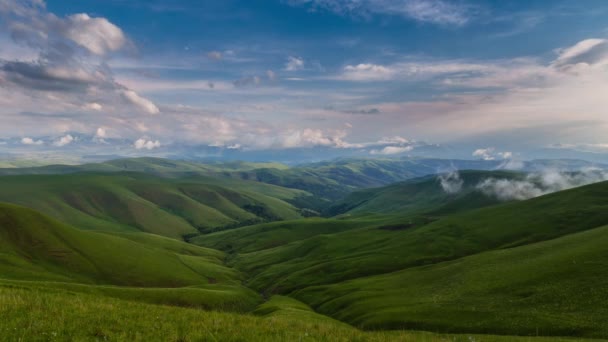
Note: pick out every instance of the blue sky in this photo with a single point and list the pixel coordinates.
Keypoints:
(475, 79)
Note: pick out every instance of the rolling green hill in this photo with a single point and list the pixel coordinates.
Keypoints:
(363, 272)
(552, 287)
(38, 251)
(35, 247)
(409, 255)
(424, 194)
(142, 202)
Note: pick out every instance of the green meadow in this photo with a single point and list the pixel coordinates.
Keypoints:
(205, 254)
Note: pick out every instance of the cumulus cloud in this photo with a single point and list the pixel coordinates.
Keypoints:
(311, 137)
(143, 143)
(63, 141)
(451, 183)
(439, 12)
(538, 184)
(97, 35)
(100, 133)
(484, 153)
(490, 153)
(294, 64)
(70, 70)
(30, 141)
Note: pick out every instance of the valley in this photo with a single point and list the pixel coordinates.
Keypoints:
(370, 262)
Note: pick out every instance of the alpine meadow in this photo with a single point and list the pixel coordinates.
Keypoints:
(303, 170)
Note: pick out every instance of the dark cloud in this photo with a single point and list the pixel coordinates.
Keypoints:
(40, 76)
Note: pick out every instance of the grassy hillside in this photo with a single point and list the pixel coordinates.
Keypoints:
(552, 287)
(108, 247)
(424, 194)
(35, 247)
(30, 314)
(392, 244)
(140, 202)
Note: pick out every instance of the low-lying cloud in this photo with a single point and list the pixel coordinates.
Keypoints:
(538, 184)
(533, 185)
(451, 182)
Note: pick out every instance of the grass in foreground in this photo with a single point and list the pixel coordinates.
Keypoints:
(30, 314)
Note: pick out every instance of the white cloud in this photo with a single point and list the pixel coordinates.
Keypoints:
(490, 153)
(538, 184)
(505, 155)
(451, 182)
(484, 153)
(143, 143)
(97, 35)
(388, 150)
(65, 140)
(367, 72)
(100, 133)
(141, 102)
(30, 141)
(93, 106)
(294, 63)
(586, 51)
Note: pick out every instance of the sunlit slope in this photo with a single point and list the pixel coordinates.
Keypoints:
(555, 287)
(36, 247)
(140, 202)
(391, 246)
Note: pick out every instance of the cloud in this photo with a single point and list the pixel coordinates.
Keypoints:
(65, 140)
(143, 143)
(438, 12)
(100, 133)
(388, 150)
(141, 102)
(70, 69)
(93, 106)
(271, 75)
(294, 64)
(451, 182)
(490, 153)
(538, 184)
(215, 55)
(30, 141)
(586, 52)
(97, 35)
(484, 153)
(415, 71)
(42, 76)
(367, 72)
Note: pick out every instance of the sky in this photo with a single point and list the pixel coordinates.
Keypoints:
(304, 79)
